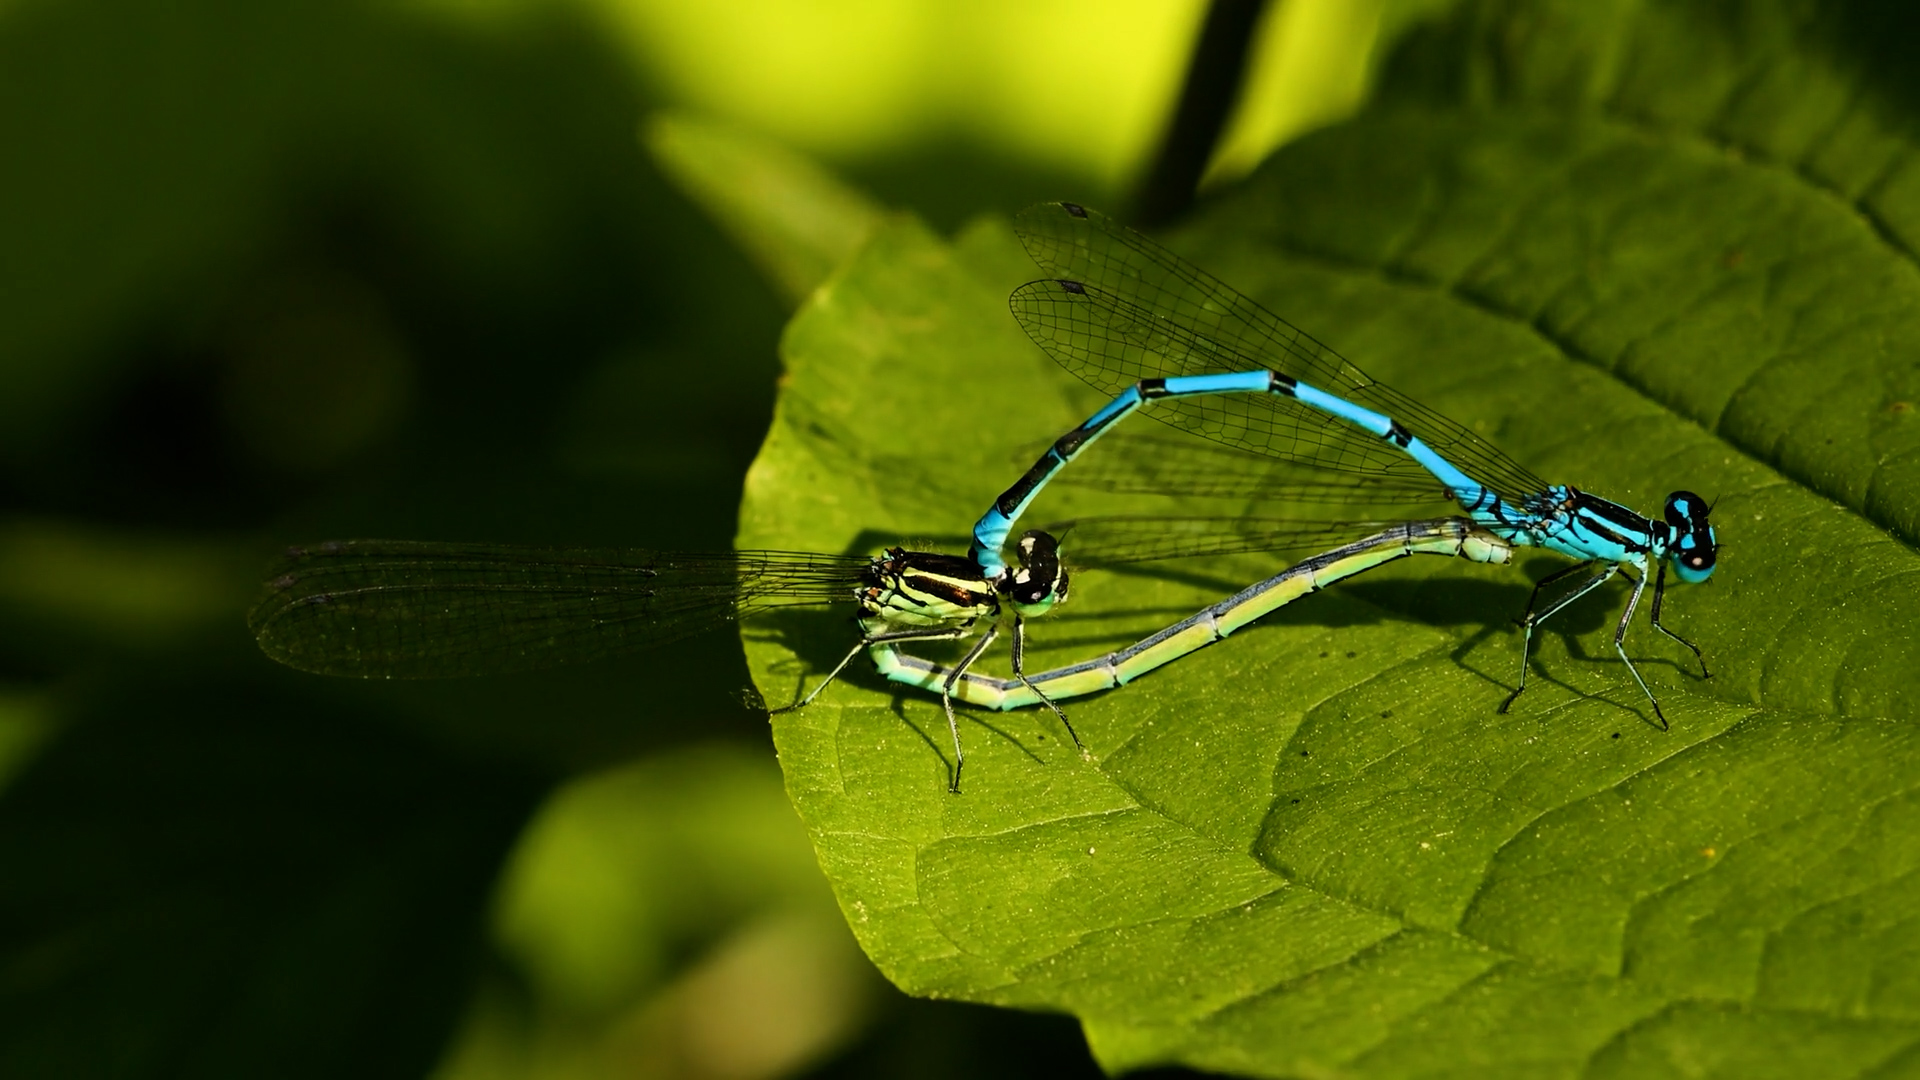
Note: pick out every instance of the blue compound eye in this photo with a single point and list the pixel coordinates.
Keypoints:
(1693, 550)
(1694, 557)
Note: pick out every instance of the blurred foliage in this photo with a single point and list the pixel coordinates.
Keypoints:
(667, 919)
(795, 219)
(1312, 65)
(278, 273)
(1078, 88)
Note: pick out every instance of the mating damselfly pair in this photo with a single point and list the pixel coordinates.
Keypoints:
(1134, 321)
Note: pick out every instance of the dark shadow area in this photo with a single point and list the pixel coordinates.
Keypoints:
(1875, 37)
(366, 275)
(431, 248)
(952, 181)
(1448, 601)
(1191, 572)
(221, 880)
(820, 637)
(937, 1040)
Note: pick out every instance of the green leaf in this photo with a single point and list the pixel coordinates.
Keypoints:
(1317, 847)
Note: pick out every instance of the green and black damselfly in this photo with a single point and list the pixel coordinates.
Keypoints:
(401, 609)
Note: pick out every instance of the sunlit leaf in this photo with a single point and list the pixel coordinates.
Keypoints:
(1317, 848)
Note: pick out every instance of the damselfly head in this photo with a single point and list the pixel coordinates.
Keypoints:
(1690, 545)
(1041, 581)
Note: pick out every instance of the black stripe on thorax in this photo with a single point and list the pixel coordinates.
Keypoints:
(1613, 521)
(952, 579)
(1612, 512)
(959, 594)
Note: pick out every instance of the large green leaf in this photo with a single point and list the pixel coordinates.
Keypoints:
(1317, 848)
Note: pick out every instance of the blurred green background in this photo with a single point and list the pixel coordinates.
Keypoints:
(300, 270)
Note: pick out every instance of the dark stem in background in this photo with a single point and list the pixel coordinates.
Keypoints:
(1213, 86)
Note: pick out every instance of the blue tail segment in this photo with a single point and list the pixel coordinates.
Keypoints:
(1139, 322)
(991, 531)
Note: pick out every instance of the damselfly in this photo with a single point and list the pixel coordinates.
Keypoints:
(1137, 321)
(403, 609)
